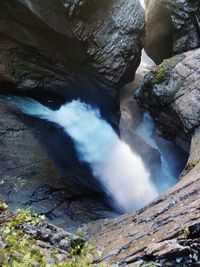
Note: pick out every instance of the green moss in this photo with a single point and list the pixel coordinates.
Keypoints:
(185, 232)
(150, 264)
(191, 165)
(18, 249)
(164, 70)
(160, 76)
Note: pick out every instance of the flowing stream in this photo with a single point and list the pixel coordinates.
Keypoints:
(121, 172)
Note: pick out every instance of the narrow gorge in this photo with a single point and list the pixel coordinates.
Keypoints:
(99, 133)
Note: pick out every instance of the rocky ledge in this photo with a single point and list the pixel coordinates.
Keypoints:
(28, 241)
(172, 95)
(154, 233)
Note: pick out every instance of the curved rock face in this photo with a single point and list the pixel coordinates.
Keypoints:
(172, 27)
(113, 34)
(172, 95)
(68, 38)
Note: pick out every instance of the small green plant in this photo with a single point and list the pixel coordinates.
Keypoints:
(191, 165)
(18, 249)
(185, 232)
(163, 70)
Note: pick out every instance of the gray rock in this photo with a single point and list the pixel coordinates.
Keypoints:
(167, 249)
(65, 244)
(112, 32)
(56, 236)
(172, 95)
(51, 41)
(172, 27)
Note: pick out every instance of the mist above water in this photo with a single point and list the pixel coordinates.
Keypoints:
(120, 171)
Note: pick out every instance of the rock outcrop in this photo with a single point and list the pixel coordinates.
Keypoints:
(27, 240)
(172, 27)
(172, 95)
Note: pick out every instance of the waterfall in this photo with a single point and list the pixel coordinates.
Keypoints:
(120, 171)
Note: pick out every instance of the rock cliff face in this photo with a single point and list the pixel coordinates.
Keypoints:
(172, 95)
(172, 27)
(52, 44)
(79, 48)
(166, 232)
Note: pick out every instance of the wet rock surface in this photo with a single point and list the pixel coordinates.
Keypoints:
(165, 232)
(35, 172)
(172, 95)
(69, 38)
(130, 238)
(113, 32)
(172, 27)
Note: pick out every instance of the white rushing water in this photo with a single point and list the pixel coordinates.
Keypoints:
(142, 3)
(121, 172)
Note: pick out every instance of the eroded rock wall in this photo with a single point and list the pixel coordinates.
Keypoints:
(172, 26)
(113, 34)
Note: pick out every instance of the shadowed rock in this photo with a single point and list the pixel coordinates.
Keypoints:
(172, 27)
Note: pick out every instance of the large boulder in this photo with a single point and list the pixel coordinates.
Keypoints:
(172, 27)
(46, 44)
